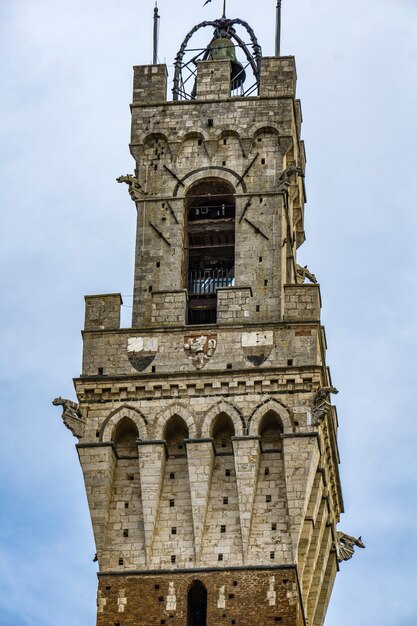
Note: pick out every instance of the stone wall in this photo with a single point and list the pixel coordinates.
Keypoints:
(241, 597)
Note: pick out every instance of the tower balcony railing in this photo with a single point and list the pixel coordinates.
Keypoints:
(207, 281)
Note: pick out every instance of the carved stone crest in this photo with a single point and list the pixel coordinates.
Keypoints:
(200, 348)
(257, 346)
(141, 351)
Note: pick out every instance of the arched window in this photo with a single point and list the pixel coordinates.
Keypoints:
(222, 431)
(175, 431)
(197, 605)
(210, 210)
(270, 430)
(124, 438)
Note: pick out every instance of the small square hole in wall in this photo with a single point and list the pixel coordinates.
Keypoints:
(235, 583)
(263, 161)
(161, 599)
(100, 371)
(233, 621)
(126, 532)
(229, 366)
(130, 477)
(173, 558)
(278, 620)
(261, 200)
(285, 581)
(163, 621)
(121, 561)
(224, 443)
(265, 283)
(155, 167)
(172, 476)
(153, 369)
(224, 142)
(290, 362)
(227, 472)
(268, 498)
(223, 163)
(180, 446)
(97, 433)
(225, 500)
(126, 505)
(172, 503)
(220, 557)
(158, 264)
(273, 526)
(150, 288)
(258, 308)
(231, 596)
(259, 138)
(210, 122)
(116, 623)
(174, 530)
(200, 141)
(266, 471)
(222, 528)
(156, 586)
(272, 555)
(260, 259)
(108, 587)
(163, 205)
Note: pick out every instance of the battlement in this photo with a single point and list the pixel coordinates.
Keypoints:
(278, 78)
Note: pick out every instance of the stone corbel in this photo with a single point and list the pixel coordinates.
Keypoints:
(246, 146)
(285, 144)
(210, 146)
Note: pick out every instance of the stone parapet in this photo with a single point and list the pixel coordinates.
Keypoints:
(150, 84)
(169, 308)
(278, 77)
(302, 303)
(102, 312)
(213, 79)
(233, 305)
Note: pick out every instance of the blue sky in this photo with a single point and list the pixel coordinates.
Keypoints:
(67, 229)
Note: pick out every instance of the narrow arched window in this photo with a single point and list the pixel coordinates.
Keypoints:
(197, 605)
(210, 210)
(270, 431)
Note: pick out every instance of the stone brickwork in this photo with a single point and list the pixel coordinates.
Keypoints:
(202, 454)
(245, 594)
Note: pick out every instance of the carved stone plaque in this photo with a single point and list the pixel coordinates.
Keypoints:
(200, 348)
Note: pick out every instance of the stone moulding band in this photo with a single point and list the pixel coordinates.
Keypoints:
(196, 570)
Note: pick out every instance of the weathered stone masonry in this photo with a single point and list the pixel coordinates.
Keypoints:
(212, 479)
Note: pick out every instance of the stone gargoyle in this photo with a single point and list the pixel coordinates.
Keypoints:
(304, 273)
(345, 546)
(135, 188)
(321, 403)
(71, 416)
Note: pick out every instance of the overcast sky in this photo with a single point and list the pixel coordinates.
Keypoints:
(67, 229)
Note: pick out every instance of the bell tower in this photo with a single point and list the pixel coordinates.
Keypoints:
(207, 435)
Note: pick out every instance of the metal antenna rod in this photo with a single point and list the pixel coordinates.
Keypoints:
(224, 8)
(155, 33)
(278, 31)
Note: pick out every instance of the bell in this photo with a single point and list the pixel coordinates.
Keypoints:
(223, 48)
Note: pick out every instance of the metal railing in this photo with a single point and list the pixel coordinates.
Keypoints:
(207, 281)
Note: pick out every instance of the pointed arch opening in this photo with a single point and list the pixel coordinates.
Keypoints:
(270, 431)
(222, 431)
(197, 604)
(125, 436)
(210, 260)
(175, 431)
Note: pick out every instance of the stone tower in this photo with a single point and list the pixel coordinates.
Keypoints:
(207, 437)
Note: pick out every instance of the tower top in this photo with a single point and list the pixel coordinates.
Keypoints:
(225, 43)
